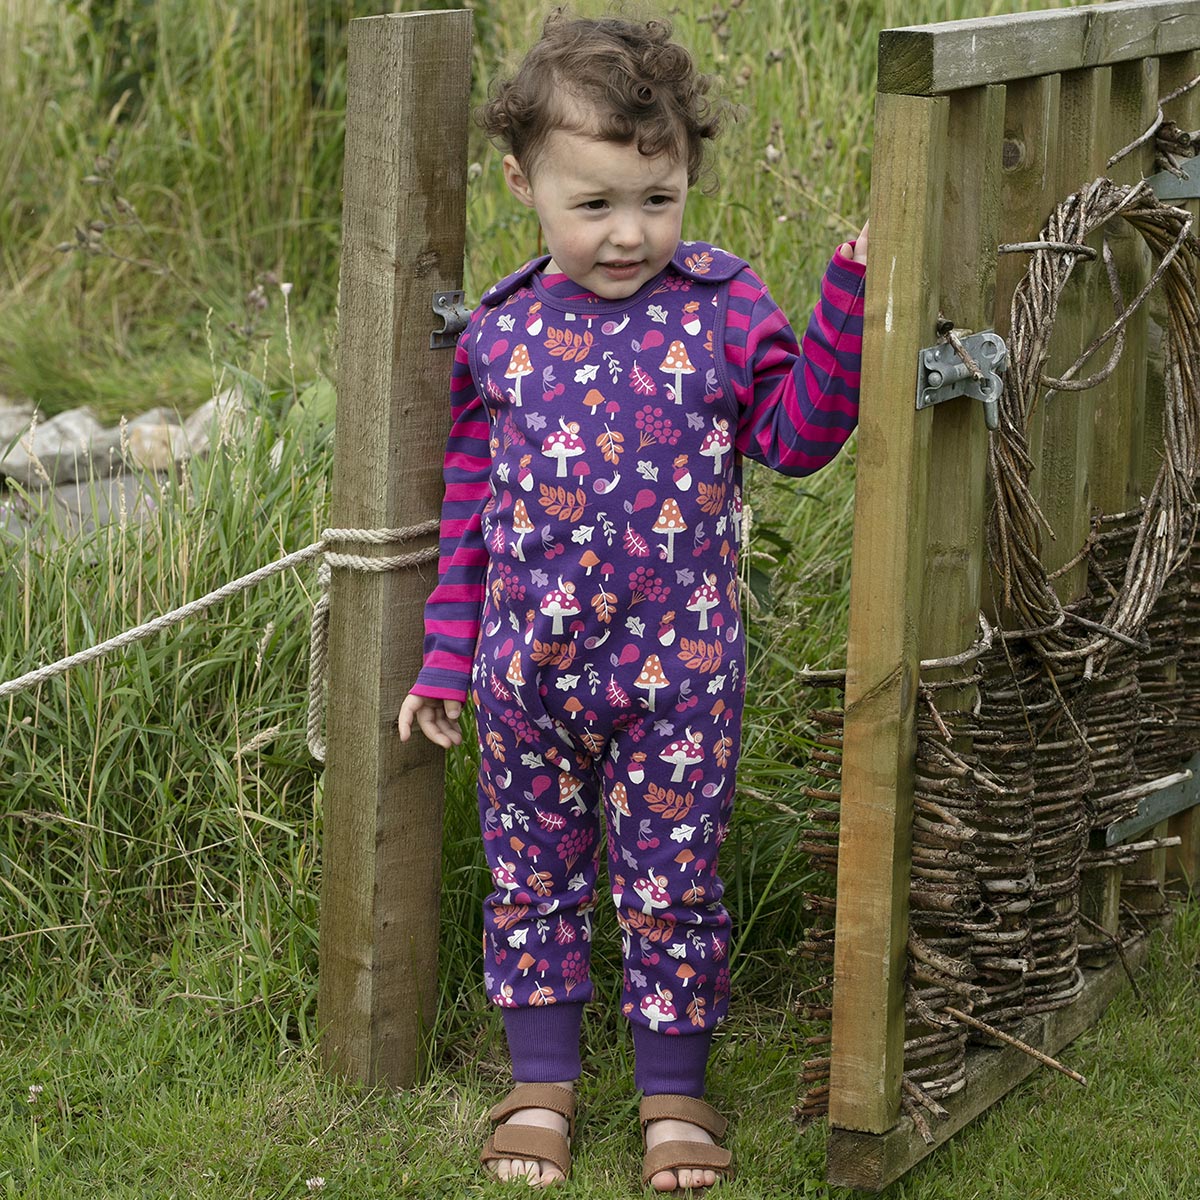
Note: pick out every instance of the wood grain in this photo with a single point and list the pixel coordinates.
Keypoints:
(403, 233)
(885, 606)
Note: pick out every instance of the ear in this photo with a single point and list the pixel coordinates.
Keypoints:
(517, 180)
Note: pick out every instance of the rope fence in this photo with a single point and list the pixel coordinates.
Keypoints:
(339, 559)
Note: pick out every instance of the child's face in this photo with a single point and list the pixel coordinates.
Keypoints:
(611, 216)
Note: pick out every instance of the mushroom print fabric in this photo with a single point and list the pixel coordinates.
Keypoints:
(587, 600)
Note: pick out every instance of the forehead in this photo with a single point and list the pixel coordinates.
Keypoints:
(583, 161)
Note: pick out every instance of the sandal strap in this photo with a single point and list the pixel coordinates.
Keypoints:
(674, 1156)
(528, 1142)
(536, 1095)
(666, 1106)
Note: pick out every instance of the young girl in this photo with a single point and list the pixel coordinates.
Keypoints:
(603, 398)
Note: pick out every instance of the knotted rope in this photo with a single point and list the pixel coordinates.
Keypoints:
(318, 634)
(318, 638)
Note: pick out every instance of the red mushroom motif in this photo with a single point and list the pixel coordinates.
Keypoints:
(518, 367)
(658, 1008)
(619, 799)
(521, 526)
(678, 364)
(717, 443)
(559, 604)
(684, 753)
(704, 598)
(670, 521)
(563, 445)
(651, 892)
(650, 679)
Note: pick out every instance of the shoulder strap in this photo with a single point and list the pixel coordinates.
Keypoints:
(706, 263)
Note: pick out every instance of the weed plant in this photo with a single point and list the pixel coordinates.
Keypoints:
(161, 819)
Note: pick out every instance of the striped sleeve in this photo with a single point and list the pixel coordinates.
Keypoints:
(797, 404)
(452, 613)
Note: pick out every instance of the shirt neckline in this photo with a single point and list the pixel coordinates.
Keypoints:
(562, 293)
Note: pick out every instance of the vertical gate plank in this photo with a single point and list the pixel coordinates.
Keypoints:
(958, 453)
(1175, 70)
(403, 229)
(885, 604)
(1124, 430)
(1062, 487)
(1030, 184)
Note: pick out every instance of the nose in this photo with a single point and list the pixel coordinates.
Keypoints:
(626, 231)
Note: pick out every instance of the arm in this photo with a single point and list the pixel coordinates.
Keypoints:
(798, 403)
(452, 613)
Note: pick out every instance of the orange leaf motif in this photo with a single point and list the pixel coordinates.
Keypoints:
(570, 347)
(563, 502)
(695, 1011)
(654, 929)
(699, 264)
(542, 994)
(554, 654)
(495, 744)
(541, 882)
(666, 801)
(509, 914)
(605, 604)
(711, 497)
(700, 655)
(612, 445)
(721, 751)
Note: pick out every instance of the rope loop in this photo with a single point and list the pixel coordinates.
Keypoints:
(318, 634)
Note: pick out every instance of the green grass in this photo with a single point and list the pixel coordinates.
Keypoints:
(172, 1099)
(160, 829)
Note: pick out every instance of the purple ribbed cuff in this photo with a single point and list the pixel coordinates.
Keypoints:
(669, 1062)
(544, 1042)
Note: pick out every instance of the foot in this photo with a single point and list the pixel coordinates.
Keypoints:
(686, 1177)
(535, 1172)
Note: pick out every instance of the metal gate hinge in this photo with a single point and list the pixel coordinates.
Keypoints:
(454, 313)
(1166, 185)
(942, 374)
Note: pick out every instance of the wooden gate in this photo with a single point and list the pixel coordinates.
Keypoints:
(982, 127)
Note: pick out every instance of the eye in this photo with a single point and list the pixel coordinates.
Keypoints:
(594, 205)
(660, 201)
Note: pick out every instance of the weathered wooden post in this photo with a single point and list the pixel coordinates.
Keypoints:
(402, 242)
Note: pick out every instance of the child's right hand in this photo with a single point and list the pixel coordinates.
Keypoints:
(438, 719)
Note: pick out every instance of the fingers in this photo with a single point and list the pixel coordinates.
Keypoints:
(408, 710)
(860, 244)
(437, 720)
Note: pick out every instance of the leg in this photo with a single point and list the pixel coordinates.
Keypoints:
(668, 786)
(538, 814)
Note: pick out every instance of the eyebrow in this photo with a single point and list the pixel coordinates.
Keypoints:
(600, 193)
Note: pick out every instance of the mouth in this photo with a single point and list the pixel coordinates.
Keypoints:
(621, 267)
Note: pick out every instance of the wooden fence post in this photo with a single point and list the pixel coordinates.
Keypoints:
(875, 840)
(402, 241)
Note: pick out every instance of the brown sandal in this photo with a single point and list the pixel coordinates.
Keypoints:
(531, 1142)
(677, 1155)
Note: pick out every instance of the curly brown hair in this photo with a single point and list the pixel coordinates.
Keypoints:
(632, 82)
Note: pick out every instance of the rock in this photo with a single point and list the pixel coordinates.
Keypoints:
(14, 421)
(154, 441)
(221, 419)
(59, 450)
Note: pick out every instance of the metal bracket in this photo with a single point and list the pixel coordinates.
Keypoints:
(942, 375)
(454, 313)
(1166, 185)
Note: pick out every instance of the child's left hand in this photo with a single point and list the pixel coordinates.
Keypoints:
(857, 251)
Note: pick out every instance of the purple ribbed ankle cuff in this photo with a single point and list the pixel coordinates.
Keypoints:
(670, 1063)
(544, 1042)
